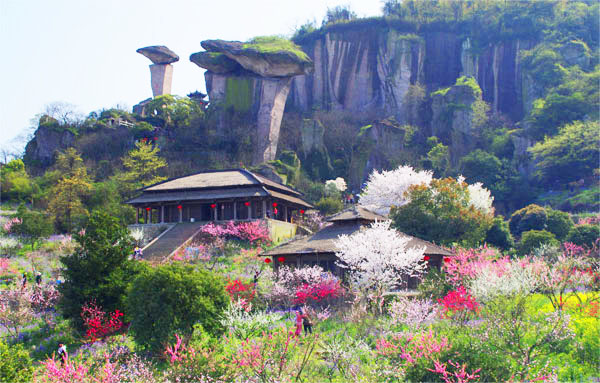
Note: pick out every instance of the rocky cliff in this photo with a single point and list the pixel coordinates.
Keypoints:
(372, 68)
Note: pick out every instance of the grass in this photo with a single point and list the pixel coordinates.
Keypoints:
(275, 44)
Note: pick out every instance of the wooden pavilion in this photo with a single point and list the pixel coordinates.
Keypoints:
(219, 195)
(319, 248)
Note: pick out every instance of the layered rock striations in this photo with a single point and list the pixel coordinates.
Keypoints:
(254, 81)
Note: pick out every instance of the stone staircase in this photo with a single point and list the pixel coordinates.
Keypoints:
(167, 243)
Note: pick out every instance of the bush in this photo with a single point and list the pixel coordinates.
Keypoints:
(583, 235)
(170, 299)
(329, 205)
(532, 239)
(559, 223)
(99, 269)
(15, 364)
(531, 217)
(499, 234)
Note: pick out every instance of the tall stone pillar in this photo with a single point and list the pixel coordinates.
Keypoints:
(161, 70)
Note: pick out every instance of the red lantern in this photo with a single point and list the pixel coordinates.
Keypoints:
(274, 204)
(301, 211)
(246, 203)
(426, 258)
(213, 205)
(155, 138)
(281, 259)
(179, 207)
(446, 259)
(275, 211)
(147, 209)
(267, 260)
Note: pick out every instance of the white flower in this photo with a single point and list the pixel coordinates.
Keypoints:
(338, 183)
(386, 189)
(490, 283)
(480, 198)
(378, 257)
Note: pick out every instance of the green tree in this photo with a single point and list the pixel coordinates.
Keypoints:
(171, 299)
(143, 166)
(531, 217)
(442, 213)
(584, 235)
(570, 155)
(34, 226)
(65, 200)
(499, 234)
(533, 239)
(439, 156)
(329, 205)
(559, 223)
(16, 365)
(99, 269)
(15, 182)
(481, 166)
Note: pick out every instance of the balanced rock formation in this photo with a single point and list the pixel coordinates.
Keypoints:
(161, 70)
(253, 79)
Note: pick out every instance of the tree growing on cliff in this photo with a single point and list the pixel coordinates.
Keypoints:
(65, 200)
(386, 189)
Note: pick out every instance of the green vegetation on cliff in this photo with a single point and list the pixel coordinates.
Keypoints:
(274, 44)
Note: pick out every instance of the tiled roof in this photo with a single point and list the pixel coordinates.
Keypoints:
(357, 213)
(211, 179)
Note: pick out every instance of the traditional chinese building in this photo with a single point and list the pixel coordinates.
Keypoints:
(219, 195)
(319, 248)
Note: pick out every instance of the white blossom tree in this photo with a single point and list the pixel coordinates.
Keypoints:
(480, 197)
(386, 189)
(377, 258)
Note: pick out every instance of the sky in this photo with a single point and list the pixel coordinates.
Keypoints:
(82, 52)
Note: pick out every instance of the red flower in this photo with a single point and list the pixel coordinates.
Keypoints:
(281, 259)
(267, 260)
(427, 258)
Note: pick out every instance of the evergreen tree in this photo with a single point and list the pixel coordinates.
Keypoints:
(142, 166)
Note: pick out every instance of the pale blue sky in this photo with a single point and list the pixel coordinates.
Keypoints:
(82, 52)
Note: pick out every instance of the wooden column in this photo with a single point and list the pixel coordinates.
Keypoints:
(285, 213)
(264, 208)
(150, 216)
(250, 210)
(234, 211)
(214, 212)
(180, 215)
(162, 213)
(137, 215)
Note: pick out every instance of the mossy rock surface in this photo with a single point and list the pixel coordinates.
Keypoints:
(215, 62)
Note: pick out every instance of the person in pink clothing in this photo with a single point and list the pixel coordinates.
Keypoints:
(298, 323)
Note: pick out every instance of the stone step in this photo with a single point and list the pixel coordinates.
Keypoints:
(170, 241)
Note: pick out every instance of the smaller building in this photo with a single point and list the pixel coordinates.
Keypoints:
(219, 195)
(319, 248)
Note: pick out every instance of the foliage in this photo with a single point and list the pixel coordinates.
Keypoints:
(15, 364)
(339, 14)
(443, 213)
(481, 166)
(98, 323)
(388, 188)
(15, 182)
(584, 235)
(378, 258)
(532, 239)
(143, 165)
(65, 201)
(499, 234)
(99, 268)
(243, 323)
(32, 226)
(559, 223)
(329, 205)
(531, 217)
(570, 155)
(274, 44)
(170, 299)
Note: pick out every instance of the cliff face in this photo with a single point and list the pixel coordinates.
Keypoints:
(370, 69)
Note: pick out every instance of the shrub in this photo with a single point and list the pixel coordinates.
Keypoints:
(329, 205)
(15, 364)
(531, 217)
(584, 235)
(532, 239)
(170, 299)
(559, 223)
(499, 234)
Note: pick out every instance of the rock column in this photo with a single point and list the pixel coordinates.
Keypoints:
(161, 70)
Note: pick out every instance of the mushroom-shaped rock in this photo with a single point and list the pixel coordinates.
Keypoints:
(265, 56)
(159, 54)
(215, 62)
